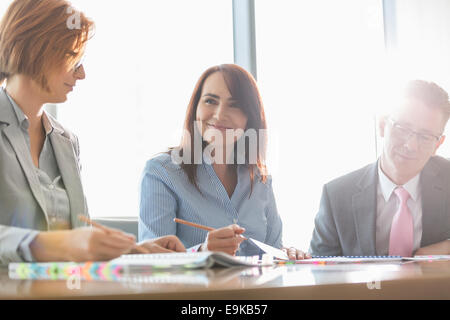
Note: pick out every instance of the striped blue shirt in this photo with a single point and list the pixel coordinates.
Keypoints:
(166, 193)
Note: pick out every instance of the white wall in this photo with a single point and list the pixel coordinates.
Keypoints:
(316, 66)
(141, 66)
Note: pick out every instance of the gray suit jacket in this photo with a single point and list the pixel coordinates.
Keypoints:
(22, 206)
(346, 221)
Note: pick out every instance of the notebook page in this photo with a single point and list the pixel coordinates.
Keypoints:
(162, 259)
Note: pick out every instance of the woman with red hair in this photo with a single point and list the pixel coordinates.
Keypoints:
(41, 46)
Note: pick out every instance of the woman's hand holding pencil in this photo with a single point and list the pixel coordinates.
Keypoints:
(115, 233)
(81, 244)
(226, 239)
(229, 238)
(164, 244)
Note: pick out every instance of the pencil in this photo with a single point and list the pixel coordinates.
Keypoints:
(93, 223)
(195, 225)
(107, 230)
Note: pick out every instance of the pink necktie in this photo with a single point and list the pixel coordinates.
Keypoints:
(401, 238)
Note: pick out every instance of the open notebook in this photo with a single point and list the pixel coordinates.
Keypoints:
(189, 260)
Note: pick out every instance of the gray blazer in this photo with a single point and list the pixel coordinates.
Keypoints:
(346, 221)
(22, 205)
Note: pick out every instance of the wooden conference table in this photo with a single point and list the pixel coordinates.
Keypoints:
(394, 280)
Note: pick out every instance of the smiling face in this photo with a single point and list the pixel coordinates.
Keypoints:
(411, 135)
(217, 110)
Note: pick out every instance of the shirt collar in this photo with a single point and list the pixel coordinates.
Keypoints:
(387, 186)
(206, 158)
(23, 119)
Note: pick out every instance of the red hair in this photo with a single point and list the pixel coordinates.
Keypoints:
(36, 38)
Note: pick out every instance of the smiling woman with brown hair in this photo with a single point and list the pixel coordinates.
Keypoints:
(41, 46)
(215, 184)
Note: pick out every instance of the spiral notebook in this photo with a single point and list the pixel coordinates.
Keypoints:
(371, 259)
(188, 260)
(351, 259)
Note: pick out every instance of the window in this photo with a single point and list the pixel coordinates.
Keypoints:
(322, 71)
(316, 65)
(141, 68)
(324, 74)
(3, 6)
(423, 44)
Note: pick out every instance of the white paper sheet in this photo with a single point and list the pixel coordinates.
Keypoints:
(277, 253)
(429, 258)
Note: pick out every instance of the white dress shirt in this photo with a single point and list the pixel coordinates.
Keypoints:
(387, 206)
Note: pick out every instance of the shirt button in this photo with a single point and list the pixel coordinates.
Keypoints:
(51, 186)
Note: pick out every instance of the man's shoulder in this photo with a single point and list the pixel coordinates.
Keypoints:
(437, 166)
(440, 162)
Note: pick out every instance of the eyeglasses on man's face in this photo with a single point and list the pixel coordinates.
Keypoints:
(426, 140)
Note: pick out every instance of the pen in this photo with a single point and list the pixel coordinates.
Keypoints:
(107, 230)
(195, 225)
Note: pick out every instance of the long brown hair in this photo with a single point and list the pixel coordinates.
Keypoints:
(243, 89)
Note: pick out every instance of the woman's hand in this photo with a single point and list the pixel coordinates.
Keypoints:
(82, 244)
(225, 239)
(93, 244)
(295, 254)
(164, 244)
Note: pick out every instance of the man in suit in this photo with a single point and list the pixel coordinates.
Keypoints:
(399, 204)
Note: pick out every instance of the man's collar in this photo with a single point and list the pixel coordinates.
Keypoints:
(388, 186)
